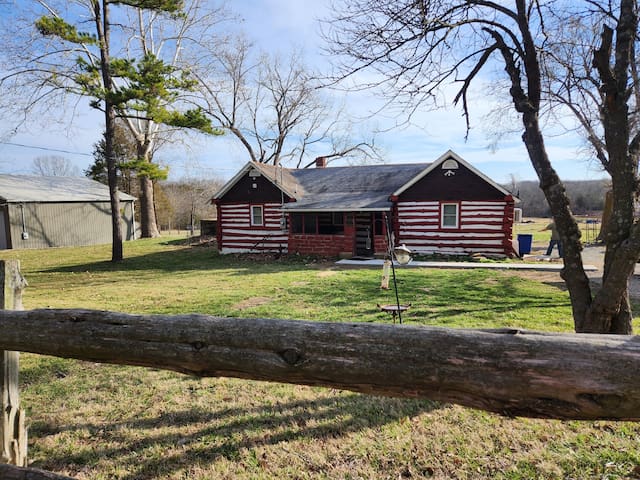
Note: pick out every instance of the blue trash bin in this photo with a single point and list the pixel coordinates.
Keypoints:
(524, 243)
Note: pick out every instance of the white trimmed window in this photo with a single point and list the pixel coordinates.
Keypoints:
(257, 217)
(449, 217)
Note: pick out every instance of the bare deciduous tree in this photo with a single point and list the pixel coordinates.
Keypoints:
(189, 201)
(575, 70)
(416, 48)
(54, 166)
(276, 108)
(148, 33)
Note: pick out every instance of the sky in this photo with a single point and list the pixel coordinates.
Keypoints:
(280, 25)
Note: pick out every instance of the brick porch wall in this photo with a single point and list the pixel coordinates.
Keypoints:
(324, 245)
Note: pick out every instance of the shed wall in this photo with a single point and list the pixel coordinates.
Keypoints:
(65, 224)
(4, 228)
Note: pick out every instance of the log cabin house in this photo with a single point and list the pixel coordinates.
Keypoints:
(445, 207)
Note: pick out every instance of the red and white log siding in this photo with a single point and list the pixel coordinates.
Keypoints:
(237, 235)
(483, 227)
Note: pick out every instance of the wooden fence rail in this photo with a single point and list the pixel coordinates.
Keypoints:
(512, 372)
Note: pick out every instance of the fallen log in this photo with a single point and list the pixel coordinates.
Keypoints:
(509, 371)
(8, 472)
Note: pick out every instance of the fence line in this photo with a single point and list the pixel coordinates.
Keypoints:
(508, 371)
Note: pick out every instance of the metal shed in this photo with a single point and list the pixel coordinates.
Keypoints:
(39, 212)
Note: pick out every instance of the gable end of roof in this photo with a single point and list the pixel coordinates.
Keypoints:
(444, 157)
(246, 169)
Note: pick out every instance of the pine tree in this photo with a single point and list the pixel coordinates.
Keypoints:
(121, 88)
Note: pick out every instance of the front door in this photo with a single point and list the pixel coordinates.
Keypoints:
(364, 234)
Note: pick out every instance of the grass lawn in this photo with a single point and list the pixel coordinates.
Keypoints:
(97, 421)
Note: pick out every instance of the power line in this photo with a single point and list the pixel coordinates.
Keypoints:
(46, 149)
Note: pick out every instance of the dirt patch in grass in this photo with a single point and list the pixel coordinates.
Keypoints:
(548, 278)
(326, 273)
(252, 302)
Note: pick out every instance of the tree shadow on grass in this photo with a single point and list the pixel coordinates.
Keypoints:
(46, 368)
(433, 296)
(560, 285)
(187, 258)
(224, 433)
(348, 295)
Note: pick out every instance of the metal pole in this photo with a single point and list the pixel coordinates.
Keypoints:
(393, 268)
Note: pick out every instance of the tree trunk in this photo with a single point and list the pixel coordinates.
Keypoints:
(148, 224)
(606, 216)
(611, 310)
(511, 372)
(527, 103)
(102, 27)
(148, 219)
(573, 271)
(117, 253)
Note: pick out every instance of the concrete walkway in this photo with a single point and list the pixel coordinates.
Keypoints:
(592, 256)
(545, 265)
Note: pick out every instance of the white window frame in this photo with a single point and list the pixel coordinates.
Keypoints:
(442, 215)
(253, 217)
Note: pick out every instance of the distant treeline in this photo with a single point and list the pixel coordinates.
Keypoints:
(587, 197)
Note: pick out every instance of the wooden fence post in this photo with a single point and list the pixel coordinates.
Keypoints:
(13, 433)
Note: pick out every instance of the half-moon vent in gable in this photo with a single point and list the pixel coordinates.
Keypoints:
(449, 164)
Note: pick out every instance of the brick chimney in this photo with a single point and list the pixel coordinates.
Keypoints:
(321, 162)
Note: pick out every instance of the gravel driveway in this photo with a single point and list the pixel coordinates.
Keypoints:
(594, 255)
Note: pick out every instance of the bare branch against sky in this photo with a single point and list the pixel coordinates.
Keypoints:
(275, 27)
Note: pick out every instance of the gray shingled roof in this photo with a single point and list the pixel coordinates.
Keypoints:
(364, 187)
(350, 188)
(33, 188)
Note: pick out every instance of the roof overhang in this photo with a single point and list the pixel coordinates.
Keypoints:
(342, 202)
(329, 210)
